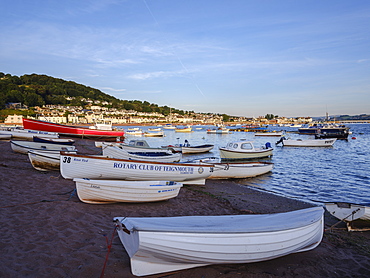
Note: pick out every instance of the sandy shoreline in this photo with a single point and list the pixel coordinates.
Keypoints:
(47, 232)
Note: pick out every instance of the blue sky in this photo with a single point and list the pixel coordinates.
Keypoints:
(238, 57)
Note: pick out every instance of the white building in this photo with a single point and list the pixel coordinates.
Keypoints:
(13, 119)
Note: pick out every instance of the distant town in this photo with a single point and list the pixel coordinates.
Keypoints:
(97, 112)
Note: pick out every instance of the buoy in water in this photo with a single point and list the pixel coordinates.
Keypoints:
(353, 137)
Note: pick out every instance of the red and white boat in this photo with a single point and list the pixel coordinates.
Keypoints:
(69, 130)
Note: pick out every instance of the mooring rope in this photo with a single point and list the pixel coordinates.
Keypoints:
(109, 247)
(72, 193)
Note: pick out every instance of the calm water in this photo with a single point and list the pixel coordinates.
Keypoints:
(338, 173)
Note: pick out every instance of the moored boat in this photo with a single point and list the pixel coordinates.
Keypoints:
(135, 145)
(44, 160)
(155, 133)
(184, 129)
(269, 134)
(70, 130)
(326, 131)
(59, 141)
(307, 142)
(240, 170)
(164, 244)
(5, 136)
(161, 156)
(196, 149)
(169, 126)
(243, 149)
(112, 191)
(186, 148)
(99, 167)
(220, 130)
(134, 132)
(25, 146)
(28, 134)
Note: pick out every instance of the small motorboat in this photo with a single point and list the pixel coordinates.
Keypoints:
(243, 149)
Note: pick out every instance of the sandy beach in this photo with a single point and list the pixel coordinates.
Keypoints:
(46, 231)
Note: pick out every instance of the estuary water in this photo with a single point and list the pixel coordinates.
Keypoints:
(311, 174)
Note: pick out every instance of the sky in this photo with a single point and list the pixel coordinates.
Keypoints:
(237, 57)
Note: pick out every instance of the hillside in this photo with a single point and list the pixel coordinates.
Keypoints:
(37, 90)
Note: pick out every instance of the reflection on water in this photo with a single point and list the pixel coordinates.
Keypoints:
(338, 173)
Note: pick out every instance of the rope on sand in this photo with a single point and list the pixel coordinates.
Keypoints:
(72, 193)
(31, 203)
(109, 247)
(343, 220)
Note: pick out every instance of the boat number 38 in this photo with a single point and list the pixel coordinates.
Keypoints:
(67, 159)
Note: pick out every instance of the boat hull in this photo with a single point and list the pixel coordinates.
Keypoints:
(240, 170)
(24, 146)
(28, 134)
(60, 141)
(99, 167)
(230, 155)
(196, 149)
(5, 136)
(158, 245)
(69, 130)
(348, 212)
(45, 161)
(160, 156)
(113, 191)
(309, 143)
(185, 129)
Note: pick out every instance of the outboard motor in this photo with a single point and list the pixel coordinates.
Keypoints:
(280, 141)
(268, 145)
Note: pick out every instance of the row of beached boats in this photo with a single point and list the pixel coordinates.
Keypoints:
(163, 244)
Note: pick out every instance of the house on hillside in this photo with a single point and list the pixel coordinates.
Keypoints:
(13, 119)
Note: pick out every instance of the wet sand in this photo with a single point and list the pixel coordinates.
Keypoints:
(46, 231)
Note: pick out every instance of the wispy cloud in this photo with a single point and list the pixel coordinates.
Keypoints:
(156, 74)
(112, 89)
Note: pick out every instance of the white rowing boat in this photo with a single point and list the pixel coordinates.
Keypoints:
(240, 170)
(5, 136)
(160, 156)
(99, 167)
(112, 191)
(186, 148)
(164, 244)
(349, 213)
(28, 133)
(25, 146)
(44, 160)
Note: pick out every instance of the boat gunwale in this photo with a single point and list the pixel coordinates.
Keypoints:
(134, 161)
